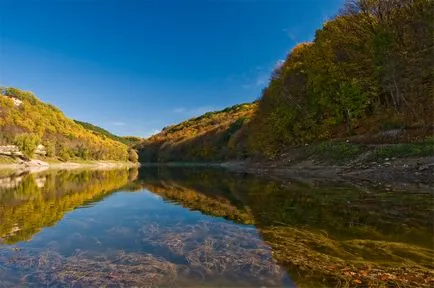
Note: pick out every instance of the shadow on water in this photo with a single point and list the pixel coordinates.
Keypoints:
(206, 227)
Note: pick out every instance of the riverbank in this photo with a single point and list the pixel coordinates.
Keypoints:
(392, 163)
(35, 165)
(401, 163)
(411, 163)
(412, 170)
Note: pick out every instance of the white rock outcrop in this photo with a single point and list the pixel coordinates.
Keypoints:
(10, 150)
(40, 150)
(17, 102)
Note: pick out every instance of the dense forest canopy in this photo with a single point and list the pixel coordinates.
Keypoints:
(367, 71)
(30, 122)
(212, 136)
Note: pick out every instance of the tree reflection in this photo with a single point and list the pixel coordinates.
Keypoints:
(35, 201)
(324, 234)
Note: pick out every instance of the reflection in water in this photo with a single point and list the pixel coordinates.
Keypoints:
(127, 239)
(190, 227)
(323, 234)
(37, 201)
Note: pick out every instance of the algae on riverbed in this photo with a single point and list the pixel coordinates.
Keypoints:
(221, 254)
(326, 235)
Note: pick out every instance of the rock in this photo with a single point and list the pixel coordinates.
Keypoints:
(387, 159)
(423, 167)
(387, 163)
(17, 102)
(33, 163)
(392, 133)
(40, 150)
(10, 150)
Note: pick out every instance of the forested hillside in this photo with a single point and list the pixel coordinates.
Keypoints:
(212, 136)
(367, 75)
(127, 140)
(368, 70)
(26, 122)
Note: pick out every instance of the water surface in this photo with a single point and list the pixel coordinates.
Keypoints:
(183, 227)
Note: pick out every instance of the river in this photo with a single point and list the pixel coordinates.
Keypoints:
(179, 227)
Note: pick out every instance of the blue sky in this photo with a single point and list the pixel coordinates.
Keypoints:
(133, 67)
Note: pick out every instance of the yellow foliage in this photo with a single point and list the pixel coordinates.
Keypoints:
(51, 125)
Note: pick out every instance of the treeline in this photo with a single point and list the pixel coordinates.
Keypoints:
(368, 70)
(127, 140)
(27, 122)
(212, 136)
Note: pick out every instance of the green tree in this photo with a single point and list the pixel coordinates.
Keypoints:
(50, 148)
(27, 143)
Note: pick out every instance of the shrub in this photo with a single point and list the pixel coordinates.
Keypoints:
(64, 153)
(50, 148)
(27, 143)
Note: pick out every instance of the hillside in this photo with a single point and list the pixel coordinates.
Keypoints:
(26, 122)
(127, 140)
(368, 72)
(366, 78)
(212, 136)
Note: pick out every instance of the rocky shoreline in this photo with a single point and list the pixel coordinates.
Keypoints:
(39, 165)
(419, 170)
(397, 171)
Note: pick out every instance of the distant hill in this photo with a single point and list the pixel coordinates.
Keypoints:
(27, 122)
(127, 140)
(212, 136)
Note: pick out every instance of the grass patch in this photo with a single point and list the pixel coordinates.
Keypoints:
(334, 152)
(417, 149)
